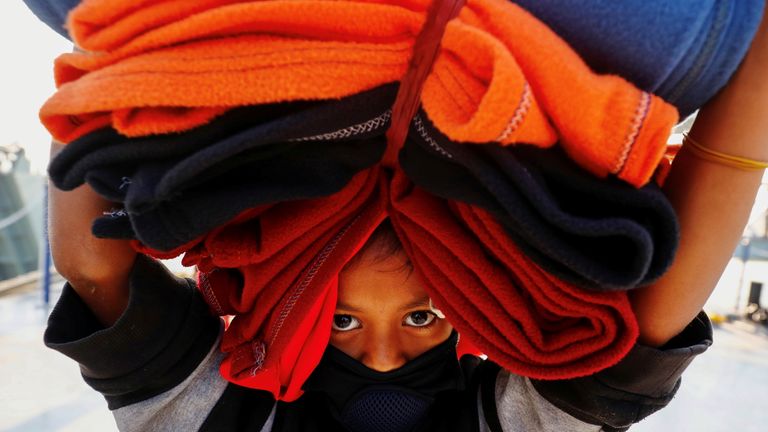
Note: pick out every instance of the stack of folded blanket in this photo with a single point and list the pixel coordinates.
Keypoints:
(684, 51)
(248, 136)
(501, 75)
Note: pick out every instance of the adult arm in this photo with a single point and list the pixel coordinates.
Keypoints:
(97, 269)
(713, 201)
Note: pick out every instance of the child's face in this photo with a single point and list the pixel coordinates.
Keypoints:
(383, 318)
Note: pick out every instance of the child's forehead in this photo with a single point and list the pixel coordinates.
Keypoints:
(389, 280)
(381, 244)
(392, 269)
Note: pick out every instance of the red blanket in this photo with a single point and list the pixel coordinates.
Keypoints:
(275, 268)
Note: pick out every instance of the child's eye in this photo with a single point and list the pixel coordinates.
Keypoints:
(343, 322)
(419, 319)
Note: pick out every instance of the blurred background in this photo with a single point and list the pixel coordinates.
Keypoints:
(723, 390)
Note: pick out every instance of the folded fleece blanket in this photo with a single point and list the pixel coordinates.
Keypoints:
(501, 76)
(600, 234)
(596, 233)
(528, 321)
(175, 188)
(53, 13)
(684, 51)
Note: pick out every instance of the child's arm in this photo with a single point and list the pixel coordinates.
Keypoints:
(713, 201)
(97, 269)
(143, 338)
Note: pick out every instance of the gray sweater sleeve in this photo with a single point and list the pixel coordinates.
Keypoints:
(184, 407)
(610, 400)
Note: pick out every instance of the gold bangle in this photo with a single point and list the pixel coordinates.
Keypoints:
(738, 162)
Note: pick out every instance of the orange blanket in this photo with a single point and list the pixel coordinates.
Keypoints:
(501, 75)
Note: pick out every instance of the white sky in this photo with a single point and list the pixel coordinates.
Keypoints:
(26, 78)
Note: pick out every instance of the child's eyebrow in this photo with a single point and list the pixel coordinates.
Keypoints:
(346, 307)
(422, 302)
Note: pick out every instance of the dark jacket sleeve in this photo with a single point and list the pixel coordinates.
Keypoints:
(640, 384)
(164, 334)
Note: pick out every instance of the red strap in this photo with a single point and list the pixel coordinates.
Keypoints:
(425, 51)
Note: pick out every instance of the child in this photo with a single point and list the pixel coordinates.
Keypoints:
(147, 342)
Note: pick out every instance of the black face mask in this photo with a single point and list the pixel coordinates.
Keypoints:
(363, 399)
